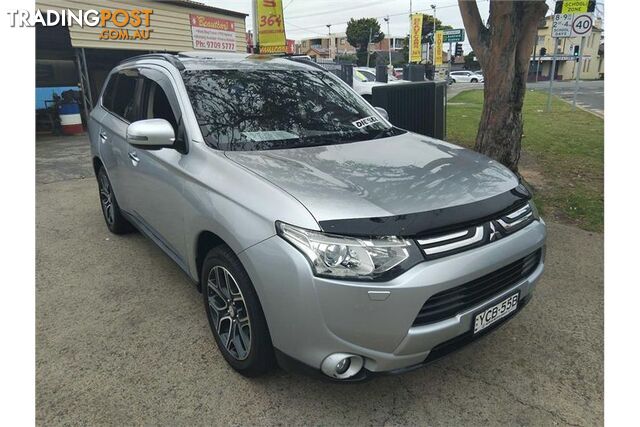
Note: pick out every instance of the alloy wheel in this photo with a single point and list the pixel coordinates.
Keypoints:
(228, 311)
(106, 199)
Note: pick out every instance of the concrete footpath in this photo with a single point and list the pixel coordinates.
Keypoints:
(121, 338)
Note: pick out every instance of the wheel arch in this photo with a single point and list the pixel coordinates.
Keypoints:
(205, 241)
(97, 163)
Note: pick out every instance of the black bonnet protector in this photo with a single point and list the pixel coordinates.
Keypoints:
(431, 222)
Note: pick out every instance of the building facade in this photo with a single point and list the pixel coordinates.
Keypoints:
(81, 56)
(333, 45)
(591, 66)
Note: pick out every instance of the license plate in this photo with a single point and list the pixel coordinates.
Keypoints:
(487, 317)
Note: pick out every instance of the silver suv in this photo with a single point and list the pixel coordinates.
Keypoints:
(321, 236)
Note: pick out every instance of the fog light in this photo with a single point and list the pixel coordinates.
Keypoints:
(342, 365)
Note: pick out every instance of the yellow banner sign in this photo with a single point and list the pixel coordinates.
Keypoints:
(270, 26)
(437, 47)
(415, 43)
(575, 6)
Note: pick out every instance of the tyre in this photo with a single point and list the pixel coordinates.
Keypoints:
(474, 80)
(453, 81)
(235, 314)
(113, 217)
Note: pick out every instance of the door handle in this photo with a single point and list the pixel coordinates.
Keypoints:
(134, 158)
(103, 135)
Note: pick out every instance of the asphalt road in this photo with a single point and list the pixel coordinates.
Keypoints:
(121, 338)
(590, 92)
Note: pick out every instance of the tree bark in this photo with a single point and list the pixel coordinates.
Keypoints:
(503, 48)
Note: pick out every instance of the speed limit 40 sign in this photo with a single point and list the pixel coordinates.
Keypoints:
(582, 25)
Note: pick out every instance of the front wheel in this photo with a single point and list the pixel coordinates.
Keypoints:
(453, 81)
(474, 80)
(235, 314)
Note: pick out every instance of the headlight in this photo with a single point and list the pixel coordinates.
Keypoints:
(349, 257)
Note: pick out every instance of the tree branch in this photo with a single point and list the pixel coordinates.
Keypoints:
(476, 31)
(532, 12)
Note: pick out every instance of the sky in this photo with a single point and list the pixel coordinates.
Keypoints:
(308, 18)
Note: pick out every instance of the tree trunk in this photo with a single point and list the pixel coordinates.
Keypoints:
(503, 49)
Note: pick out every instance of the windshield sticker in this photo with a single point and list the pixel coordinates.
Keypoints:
(367, 121)
(269, 135)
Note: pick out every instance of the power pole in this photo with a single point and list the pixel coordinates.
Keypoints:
(433, 53)
(389, 36)
(410, 23)
(552, 74)
(369, 46)
(330, 40)
(578, 63)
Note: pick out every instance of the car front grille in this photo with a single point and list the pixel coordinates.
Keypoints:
(450, 302)
(440, 245)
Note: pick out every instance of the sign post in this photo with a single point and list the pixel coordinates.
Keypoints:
(578, 63)
(552, 73)
(582, 25)
(572, 18)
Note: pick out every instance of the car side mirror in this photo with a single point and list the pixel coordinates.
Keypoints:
(151, 134)
(382, 112)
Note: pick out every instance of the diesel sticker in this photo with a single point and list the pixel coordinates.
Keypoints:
(367, 121)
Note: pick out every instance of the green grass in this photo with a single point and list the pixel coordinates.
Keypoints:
(562, 154)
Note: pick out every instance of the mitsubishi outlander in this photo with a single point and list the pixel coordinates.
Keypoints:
(322, 237)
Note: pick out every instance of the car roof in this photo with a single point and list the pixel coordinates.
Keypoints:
(206, 60)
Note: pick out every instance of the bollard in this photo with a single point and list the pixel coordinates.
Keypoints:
(381, 73)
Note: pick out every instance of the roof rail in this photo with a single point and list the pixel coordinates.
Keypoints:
(301, 59)
(173, 59)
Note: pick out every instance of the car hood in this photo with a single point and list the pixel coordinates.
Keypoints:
(404, 174)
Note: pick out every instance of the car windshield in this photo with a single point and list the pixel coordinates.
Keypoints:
(244, 110)
(366, 75)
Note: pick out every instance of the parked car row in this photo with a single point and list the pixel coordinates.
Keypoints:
(364, 80)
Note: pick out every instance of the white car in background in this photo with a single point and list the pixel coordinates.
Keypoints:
(364, 79)
(465, 77)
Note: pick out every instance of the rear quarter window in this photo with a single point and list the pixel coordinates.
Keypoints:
(120, 93)
(107, 96)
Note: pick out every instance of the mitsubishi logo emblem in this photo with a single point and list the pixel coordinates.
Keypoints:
(493, 234)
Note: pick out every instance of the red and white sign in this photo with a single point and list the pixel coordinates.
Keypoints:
(212, 33)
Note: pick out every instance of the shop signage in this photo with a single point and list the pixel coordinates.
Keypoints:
(212, 33)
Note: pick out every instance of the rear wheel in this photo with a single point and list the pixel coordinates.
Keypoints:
(116, 223)
(453, 80)
(235, 314)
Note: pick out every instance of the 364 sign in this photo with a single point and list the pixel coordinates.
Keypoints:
(270, 26)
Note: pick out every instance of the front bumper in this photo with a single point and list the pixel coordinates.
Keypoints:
(311, 317)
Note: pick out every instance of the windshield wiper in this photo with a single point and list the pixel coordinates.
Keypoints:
(384, 133)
